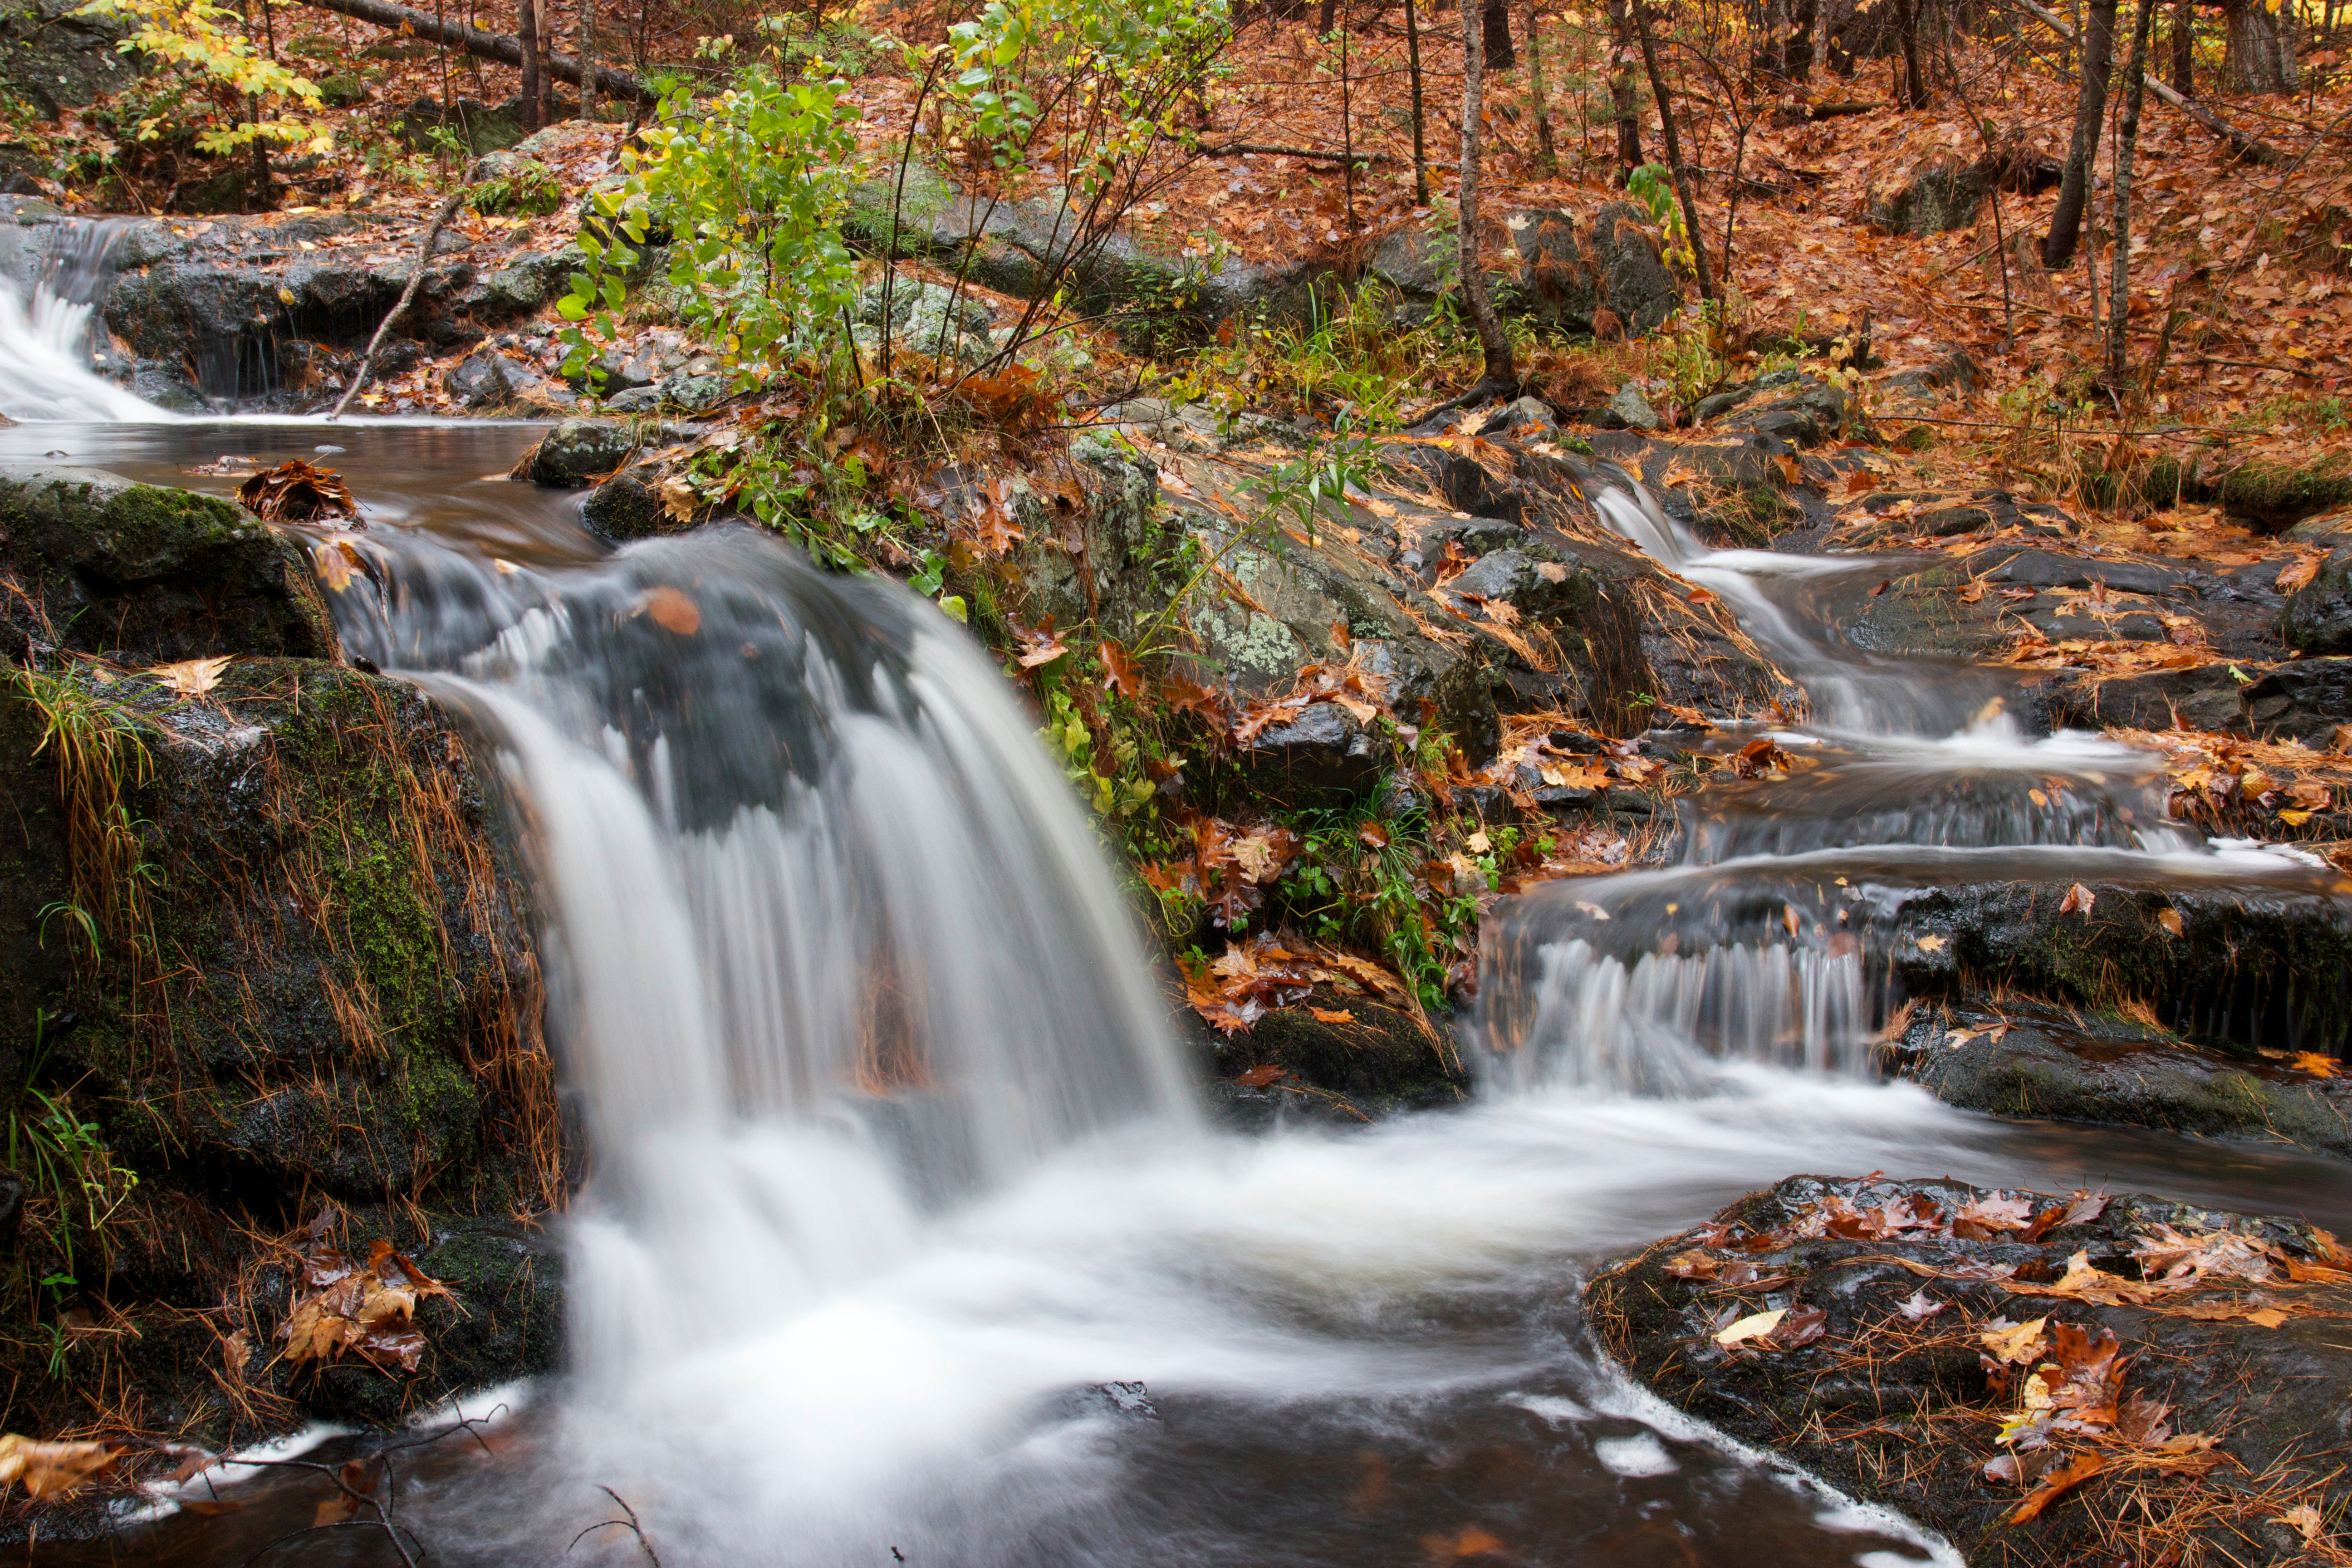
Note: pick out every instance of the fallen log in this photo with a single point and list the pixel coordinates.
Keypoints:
(496, 47)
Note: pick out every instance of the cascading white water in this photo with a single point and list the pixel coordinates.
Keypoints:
(816, 901)
(48, 304)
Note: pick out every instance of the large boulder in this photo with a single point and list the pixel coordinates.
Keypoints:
(1561, 269)
(1943, 193)
(148, 575)
(578, 452)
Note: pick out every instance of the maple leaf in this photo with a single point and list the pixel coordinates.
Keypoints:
(1042, 646)
(1917, 1308)
(1259, 1077)
(1802, 1326)
(2017, 1344)
(2078, 897)
(191, 676)
(1984, 1219)
(679, 499)
(991, 511)
(1121, 675)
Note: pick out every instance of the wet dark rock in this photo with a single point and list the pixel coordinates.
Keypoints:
(55, 57)
(480, 381)
(2306, 699)
(2318, 616)
(1807, 414)
(1323, 757)
(1902, 1412)
(2202, 697)
(149, 575)
(531, 280)
(1564, 280)
(1529, 418)
(627, 506)
(1118, 1401)
(2029, 1059)
(1380, 1059)
(577, 452)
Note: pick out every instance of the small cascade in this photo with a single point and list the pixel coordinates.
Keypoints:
(49, 296)
(1809, 901)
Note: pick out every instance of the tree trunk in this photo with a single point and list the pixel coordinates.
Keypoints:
(534, 95)
(2127, 139)
(1500, 56)
(1911, 89)
(2090, 114)
(1675, 164)
(1546, 154)
(1797, 53)
(1419, 147)
(588, 61)
(1500, 374)
(2261, 56)
(1323, 18)
(2184, 47)
(1623, 96)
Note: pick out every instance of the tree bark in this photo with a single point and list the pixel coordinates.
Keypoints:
(588, 61)
(480, 45)
(534, 92)
(1500, 374)
(1675, 164)
(2090, 114)
(1797, 51)
(1546, 154)
(1500, 56)
(1912, 91)
(1419, 148)
(2127, 139)
(1623, 96)
(2261, 56)
(2184, 47)
(2252, 148)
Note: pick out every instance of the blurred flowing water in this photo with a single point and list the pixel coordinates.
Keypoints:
(896, 1161)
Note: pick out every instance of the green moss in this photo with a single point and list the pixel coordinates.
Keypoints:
(528, 189)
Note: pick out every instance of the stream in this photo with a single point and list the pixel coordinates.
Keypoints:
(897, 1162)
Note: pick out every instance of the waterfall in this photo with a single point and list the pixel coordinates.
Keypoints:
(830, 943)
(51, 291)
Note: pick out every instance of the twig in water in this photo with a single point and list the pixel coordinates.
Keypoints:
(634, 1527)
(400, 307)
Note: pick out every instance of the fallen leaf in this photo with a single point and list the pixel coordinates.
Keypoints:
(2074, 1472)
(1917, 1308)
(1552, 571)
(1332, 1015)
(2078, 897)
(191, 676)
(1754, 1326)
(2313, 1063)
(2169, 920)
(679, 499)
(1259, 1077)
(52, 1470)
(1694, 1265)
(2298, 574)
(334, 560)
(1802, 1326)
(1471, 1543)
(1120, 673)
(2306, 1521)
(1986, 1218)
(2016, 1344)
(672, 611)
(1930, 944)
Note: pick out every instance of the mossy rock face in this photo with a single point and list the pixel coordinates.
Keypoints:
(341, 988)
(148, 575)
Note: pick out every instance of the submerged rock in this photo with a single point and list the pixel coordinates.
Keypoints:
(577, 452)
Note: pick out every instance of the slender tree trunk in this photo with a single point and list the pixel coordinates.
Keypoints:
(2261, 56)
(1348, 118)
(2184, 47)
(1500, 56)
(1623, 96)
(1675, 164)
(1419, 146)
(588, 61)
(527, 33)
(1547, 155)
(1323, 21)
(2127, 139)
(1500, 374)
(2090, 115)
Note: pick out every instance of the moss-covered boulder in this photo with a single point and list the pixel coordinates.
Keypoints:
(148, 575)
